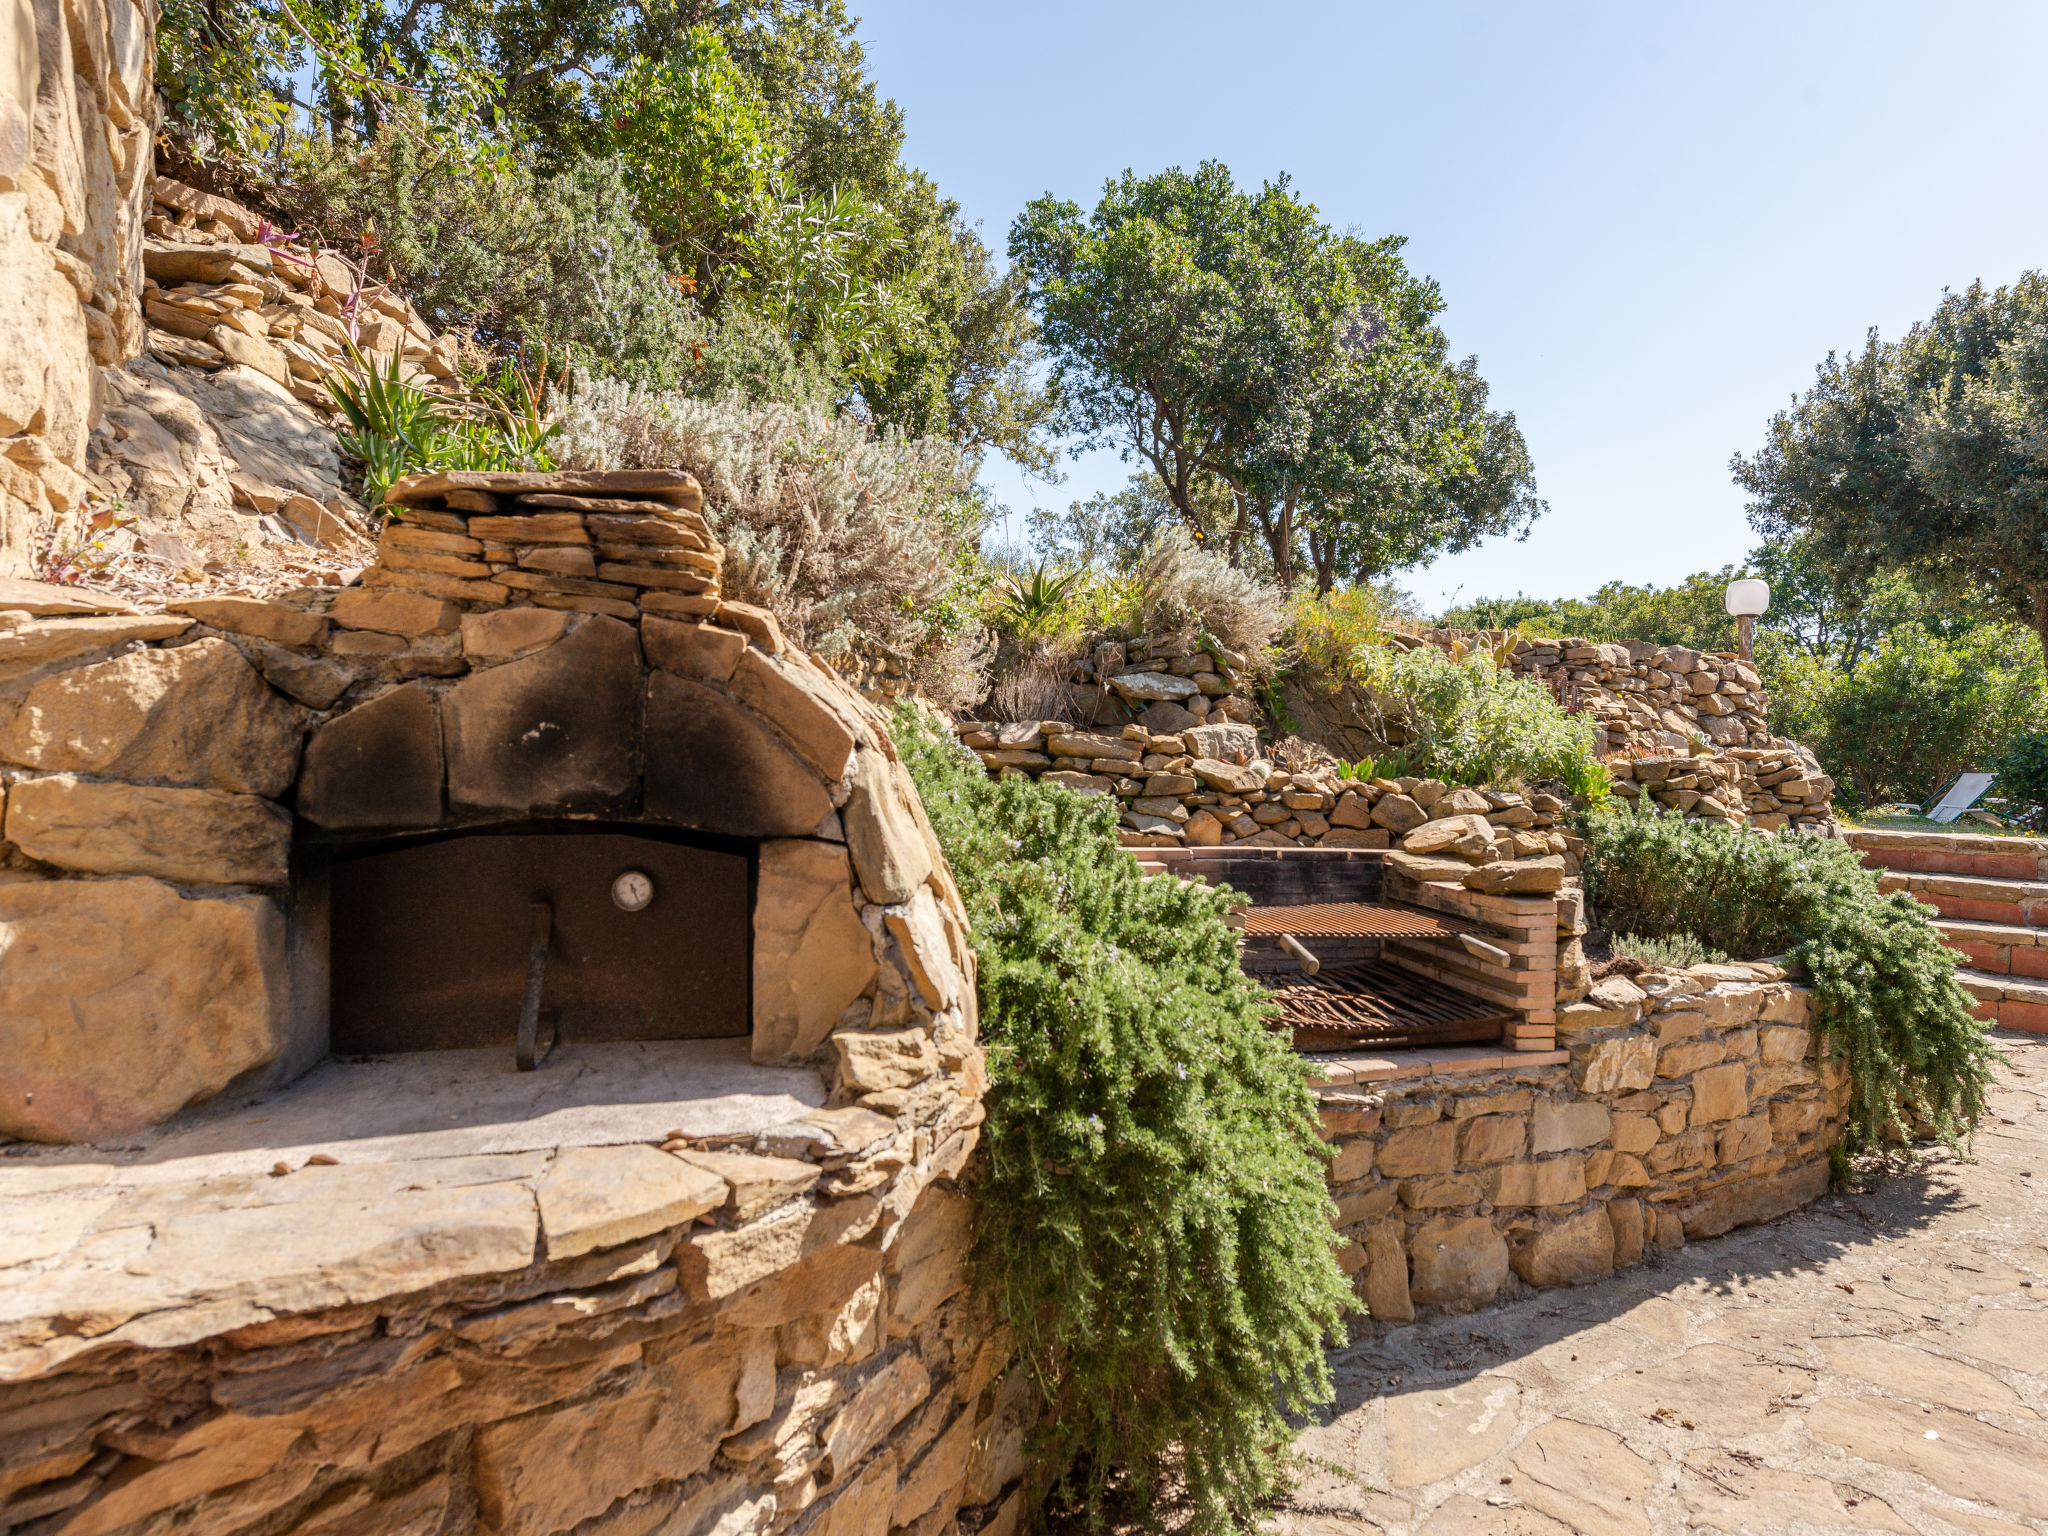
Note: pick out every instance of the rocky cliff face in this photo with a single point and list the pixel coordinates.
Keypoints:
(76, 117)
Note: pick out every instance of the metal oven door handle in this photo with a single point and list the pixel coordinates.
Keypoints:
(526, 1052)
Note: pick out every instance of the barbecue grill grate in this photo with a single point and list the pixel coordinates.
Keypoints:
(1382, 1005)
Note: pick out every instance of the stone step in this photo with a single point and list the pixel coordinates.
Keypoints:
(1953, 853)
(1974, 898)
(1999, 949)
(2008, 1001)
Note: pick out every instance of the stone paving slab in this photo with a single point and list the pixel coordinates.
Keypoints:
(1876, 1362)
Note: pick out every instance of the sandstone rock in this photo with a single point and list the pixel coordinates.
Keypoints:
(1518, 877)
(804, 705)
(888, 851)
(121, 1002)
(756, 1184)
(1144, 687)
(1398, 813)
(714, 765)
(1422, 1149)
(1202, 830)
(1420, 868)
(928, 1260)
(1781, 1046)
(196, 715)
(600, 1197)
(1719, 1093)
(876, 1408)
(1080, 783)
(1386, 1274)
(39, 645)
(1457, 1262)
(812, 956)
(899, 1059)
(1754, 1199)
(45, 599)
(1230, 778)
(278, 622)
(1587, 1478)
(920, 933)
(394, 613)
(547, 1471)
(504, 634)
(378, 765)
(1435, 1434)
(706, 652)
(194, 836)
(1616, 1066)
(1465, 836)
(1567, 1126)
(1223, 743)
(1493, 1138)
(1554, 1181)
(1573, 1251)
(1626, 1218)
(553, 732)
(1743, 1139)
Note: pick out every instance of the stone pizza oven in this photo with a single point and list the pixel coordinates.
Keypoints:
(533, 746)
(293, 892)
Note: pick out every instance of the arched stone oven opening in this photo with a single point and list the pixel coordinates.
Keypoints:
(593, 823)
(519, 938)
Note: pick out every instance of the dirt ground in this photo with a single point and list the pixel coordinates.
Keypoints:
(1876, 1362)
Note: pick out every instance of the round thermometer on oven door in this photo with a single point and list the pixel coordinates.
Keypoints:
(632, 891)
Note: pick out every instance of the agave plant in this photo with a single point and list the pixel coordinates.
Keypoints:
(1027, 605)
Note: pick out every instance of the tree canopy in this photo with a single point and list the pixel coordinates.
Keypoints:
(1213, 331)
(1926, 456)
(757, 155)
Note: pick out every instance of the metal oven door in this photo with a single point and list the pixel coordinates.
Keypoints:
(644, 940)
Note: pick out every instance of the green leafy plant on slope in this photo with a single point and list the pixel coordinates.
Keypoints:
(398, 428)
(1884, 983)
(1155, 1229)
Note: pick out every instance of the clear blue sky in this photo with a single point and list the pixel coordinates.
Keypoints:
(1650, 221)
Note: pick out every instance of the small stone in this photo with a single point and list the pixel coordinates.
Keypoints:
(1458, 1262)
(503, 634)
(1397, 813)
(898, 1059)
(393, 612)
(600, 1197)
(1574, 1251)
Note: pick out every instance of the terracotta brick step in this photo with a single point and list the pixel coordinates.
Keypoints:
(1954, 853)
(2009, 1001)
(1999, 949)
(1975, 898)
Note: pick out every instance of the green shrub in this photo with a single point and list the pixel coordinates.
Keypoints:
(2022, 769)
(1676, 953)
(1919, 710)
(520, 260)
(1472, 723)
(1155, 1230)
(1884, 983)
(855, 539)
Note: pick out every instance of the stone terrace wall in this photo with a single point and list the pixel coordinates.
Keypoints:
(1677, 1109)
(77, 115)
(744, 1336)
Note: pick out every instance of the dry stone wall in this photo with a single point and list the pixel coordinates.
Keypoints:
(744, 1335)
(77, 116)
(1687, 1103)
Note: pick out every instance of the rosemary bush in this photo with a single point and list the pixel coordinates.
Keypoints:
(1155, 1229)
(1884, 983)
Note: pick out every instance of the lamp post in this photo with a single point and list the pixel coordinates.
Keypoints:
(1748, 600)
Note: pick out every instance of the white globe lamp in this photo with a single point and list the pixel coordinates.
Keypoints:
(1748, 600)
